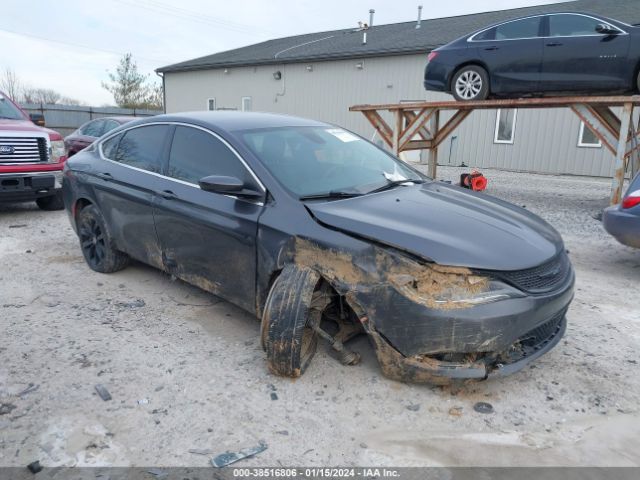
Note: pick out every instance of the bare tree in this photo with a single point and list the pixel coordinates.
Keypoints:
(11, 84)
(20, 92)
(70, 101)
(41, 95)
(155, 98)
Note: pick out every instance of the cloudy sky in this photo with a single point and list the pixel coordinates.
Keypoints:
(70, 45)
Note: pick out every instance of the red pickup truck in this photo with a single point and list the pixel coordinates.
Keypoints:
(31, 159)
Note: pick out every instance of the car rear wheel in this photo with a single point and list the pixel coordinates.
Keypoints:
(52, 202)
(97, 244)
(470, 83)
(295, 303)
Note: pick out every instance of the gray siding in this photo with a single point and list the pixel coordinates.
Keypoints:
(545, 140)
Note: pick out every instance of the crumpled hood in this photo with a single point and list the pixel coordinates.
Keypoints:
(446, 224)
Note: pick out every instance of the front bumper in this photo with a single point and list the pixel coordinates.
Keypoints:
(419, 344)
(622, 225)
(24, 187)
(423, 369)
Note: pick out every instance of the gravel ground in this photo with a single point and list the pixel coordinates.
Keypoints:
(186, 371)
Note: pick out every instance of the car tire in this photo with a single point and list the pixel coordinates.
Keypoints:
(52, 202)
(638, 82)
(296, 300)
(97, 244)
(470, 83)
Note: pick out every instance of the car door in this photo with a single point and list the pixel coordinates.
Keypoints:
(512, 52)
(125, 183)
(208, 239)
(578, 58)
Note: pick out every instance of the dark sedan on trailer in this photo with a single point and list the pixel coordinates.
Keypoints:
(92, 130)
(537, 55)
(323, 235)
(623, 220)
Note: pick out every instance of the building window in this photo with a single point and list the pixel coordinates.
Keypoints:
(246, 104)
(505, 126)
(587, 138)
(211, 104)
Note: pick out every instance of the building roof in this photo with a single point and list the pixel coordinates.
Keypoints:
(391, 39)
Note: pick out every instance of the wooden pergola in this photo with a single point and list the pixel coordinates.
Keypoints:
(417, 126)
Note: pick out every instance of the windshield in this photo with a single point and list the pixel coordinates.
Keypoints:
(8, 109)
(312, 161)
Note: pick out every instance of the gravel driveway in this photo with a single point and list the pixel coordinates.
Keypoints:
(185, 370)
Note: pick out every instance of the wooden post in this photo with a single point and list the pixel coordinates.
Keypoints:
(434, 126)
(397, 132)
(635, 157)
(618, 176)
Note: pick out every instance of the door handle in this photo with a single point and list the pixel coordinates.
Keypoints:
(554, 44)
(167, 195)
(489, 49)
(105, 176)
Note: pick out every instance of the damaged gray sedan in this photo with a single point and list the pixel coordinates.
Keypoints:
(324, 236)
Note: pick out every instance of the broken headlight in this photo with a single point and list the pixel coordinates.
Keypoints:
(451, 287)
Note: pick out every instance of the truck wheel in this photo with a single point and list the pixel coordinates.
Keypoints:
(97, 244)
(470, 83)
(296, 301)
(53, 202)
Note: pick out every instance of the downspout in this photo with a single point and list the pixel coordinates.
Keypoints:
(164, 93)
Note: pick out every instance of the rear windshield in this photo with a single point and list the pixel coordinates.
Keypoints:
(9, 110)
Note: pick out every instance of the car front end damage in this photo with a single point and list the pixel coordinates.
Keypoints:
(434, 324)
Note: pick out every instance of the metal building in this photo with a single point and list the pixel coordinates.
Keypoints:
(320, 75)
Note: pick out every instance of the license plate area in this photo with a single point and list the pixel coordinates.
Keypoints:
(44, 182)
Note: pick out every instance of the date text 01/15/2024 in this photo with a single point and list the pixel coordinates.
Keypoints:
(315, 472)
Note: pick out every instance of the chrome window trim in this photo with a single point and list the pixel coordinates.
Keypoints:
(471, 38)
(182, 124)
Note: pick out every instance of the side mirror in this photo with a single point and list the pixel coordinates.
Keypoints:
(37, 118)
(605, 29)
(227, 185)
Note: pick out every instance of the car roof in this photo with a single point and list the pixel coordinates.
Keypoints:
(547, 14)
(120, 119)
(234, 120)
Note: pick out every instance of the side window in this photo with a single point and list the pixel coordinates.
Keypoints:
(505, 125)
(525, 28)
(142, 147)
(110, 146)
(572, 25)
(196, 154)
(486, 35)
(93, 129)
(109, 125)
(587, 138)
